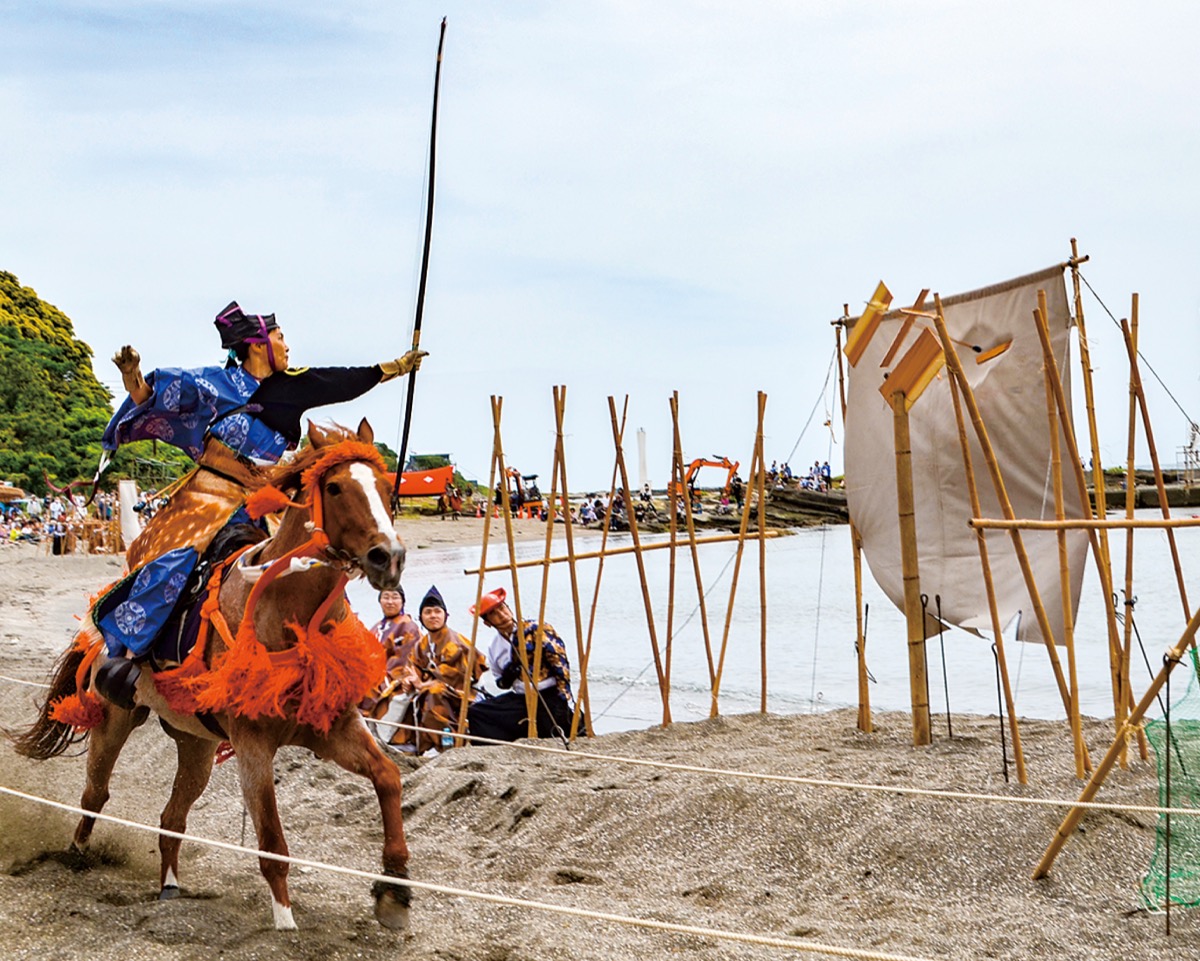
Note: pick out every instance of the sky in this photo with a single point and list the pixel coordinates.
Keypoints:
(632, 198)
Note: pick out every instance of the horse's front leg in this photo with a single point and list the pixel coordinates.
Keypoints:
(193, 768)
(256, 771)
(351, 746)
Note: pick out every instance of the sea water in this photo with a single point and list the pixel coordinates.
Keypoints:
(810, 662)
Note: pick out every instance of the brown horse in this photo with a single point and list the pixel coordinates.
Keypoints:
(343, 529)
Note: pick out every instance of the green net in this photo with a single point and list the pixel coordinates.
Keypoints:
(1182, 831)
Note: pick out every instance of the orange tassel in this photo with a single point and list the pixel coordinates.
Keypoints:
(319, 678)
(268, 500)
(83, 711)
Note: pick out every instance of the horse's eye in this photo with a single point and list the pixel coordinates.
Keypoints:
(333, 488)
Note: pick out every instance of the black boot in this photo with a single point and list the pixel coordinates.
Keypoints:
(117, 681)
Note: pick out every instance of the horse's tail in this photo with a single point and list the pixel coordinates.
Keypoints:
(48, 737)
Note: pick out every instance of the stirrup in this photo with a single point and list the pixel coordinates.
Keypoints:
(117, 681)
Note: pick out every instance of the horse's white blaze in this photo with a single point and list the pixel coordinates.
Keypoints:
(383, 518)
(283, 917)
(170, 880)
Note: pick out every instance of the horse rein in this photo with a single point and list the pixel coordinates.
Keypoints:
(316, 552)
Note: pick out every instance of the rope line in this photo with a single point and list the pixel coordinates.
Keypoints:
(806, 946)
(816, 404)
(816, 782)
(1141, 356)
(17, 680)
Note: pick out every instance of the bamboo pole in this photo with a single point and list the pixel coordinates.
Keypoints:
(1099, 538)
(545, 592)
(528, 679)
(1081, 523)
(1099, 548)
(762, 561)
(1085, 363)
(617, 551)
(483, 551)
(914, 613)
(989, 454)
(756, 463)
(1130, 505)
(677, 467)
(989, 586)
(663, 688)
(1082, 761)
(582, 705)
(673, 489)
(1158, 477)
(864, 722)
(612, 491)
(1067, 828)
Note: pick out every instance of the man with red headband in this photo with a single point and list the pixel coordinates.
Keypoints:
(231, 420)
(505, 718)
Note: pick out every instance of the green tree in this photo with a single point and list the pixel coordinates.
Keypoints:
(53, 410)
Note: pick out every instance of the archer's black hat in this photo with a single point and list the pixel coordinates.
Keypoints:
(237, 327)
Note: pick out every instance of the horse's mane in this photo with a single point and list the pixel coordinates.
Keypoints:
(287, 476)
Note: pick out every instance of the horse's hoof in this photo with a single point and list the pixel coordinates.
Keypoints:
(391, 905)
(283, 917)
(169, 892)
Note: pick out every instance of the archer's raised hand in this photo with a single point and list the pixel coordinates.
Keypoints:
(127, 360)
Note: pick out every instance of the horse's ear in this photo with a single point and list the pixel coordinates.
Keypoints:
(365, 434)
(317, 436)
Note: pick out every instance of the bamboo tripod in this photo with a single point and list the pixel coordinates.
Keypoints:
(661, 653)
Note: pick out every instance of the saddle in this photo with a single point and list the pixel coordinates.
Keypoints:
(178, 635)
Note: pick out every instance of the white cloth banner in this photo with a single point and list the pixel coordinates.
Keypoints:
(1011, 394)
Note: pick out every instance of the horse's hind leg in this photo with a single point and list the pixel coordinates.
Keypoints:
(105, 741)
(256, 770)
(352, 747)
(194, 767)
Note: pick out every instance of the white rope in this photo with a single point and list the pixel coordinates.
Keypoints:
(807, 946)
(814, 782)
(17, 680)
(793, 779)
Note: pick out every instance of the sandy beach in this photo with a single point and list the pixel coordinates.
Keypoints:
(874, 871)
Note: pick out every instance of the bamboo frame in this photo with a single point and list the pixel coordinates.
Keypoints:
(1099, 546)
(989, 587)
(955, 365)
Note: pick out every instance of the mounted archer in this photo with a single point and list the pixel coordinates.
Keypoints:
(231, 421)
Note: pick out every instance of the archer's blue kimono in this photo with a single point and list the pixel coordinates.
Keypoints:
(257, 420)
